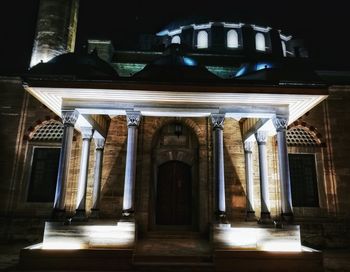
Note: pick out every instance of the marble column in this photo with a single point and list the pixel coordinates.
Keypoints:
(86, 134)
(280, 124)
(265, 217)
(69, 118)
(219, 174)
(248, 152)
(99, 146)
(133, 120)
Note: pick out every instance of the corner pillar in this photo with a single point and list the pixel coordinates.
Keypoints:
(265, 217)
(248, 150)
(83, 175)
(219, 174)
(99, 147)
(69, 119)
(133, 120)
(280, 123)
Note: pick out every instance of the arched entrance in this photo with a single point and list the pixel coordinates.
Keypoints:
(174, 194)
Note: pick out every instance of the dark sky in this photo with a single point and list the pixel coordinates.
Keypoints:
(322, 24)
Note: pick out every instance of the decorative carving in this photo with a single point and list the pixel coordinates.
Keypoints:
(99, 143)
(218, 120)
(280, 123)
(261, 137)
(248, 146)
(70, 117)
(86, 133)
(133, 118)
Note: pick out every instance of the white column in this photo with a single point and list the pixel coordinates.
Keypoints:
(248, 150)
(99, 146)
(133, 120)
(86, 134)
(219, 174)
(280, 124)
(261, 138)
(69, 118)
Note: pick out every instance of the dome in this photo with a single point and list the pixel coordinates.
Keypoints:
(174, 65)
(81, 65)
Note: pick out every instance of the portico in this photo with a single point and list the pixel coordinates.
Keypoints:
(262, 112)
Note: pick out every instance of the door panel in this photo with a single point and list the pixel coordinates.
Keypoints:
(174, 190)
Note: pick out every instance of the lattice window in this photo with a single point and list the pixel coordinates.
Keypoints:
(51, 130)
(298, 136)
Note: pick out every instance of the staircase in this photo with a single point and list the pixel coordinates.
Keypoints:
(173, 251)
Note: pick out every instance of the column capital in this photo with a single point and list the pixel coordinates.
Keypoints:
(261, 137)
(86, 132)
(280, 122)
(69, 117)
(99, 143)
(248, 146)
(133, 118)
(217, 120)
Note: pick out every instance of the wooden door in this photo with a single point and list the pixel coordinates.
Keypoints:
(174, 190)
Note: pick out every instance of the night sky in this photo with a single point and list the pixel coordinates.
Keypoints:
(322, 24)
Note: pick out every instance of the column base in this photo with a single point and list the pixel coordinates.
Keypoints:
(58, 215)
(287, 218)
(250, 216)
(265, 219)
(95, 214)
(127, 214)
(221, 218)
(80, 215)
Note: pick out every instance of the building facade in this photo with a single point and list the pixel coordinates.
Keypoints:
(228, 123)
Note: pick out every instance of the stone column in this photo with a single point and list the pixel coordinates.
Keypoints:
(265, 217)
(248, 147)
(219, 175)
(99, 146)
(86, 134)
(280, 124)
(69, 119)
(133, 120)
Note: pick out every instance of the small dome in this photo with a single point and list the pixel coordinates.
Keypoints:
(76, 64)
(289, 70)
(174, 65)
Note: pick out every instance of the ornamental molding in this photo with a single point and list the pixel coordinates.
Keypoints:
(133, 118)
(86, 133)
(280, 123)
(261, 137)
(218, 120)
(99, 143)
(248, 146)
(69, 117)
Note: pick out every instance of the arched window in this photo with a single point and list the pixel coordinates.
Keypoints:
(232, 39)
(44, 152)
(284, 48)
(176, 39)
(302, 144)
(260, 43)
(202, 39)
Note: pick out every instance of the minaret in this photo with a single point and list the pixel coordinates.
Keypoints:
(56, 29)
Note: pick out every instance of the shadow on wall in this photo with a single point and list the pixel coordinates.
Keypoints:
(235, 192)
(114, 169)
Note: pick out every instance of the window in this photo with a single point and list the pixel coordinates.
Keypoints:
(202, 39)
(303, 180)
(43, 175)
(260, 43)
(232, 39)
(176, 39)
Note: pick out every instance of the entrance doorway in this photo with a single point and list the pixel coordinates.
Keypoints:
(174, 194)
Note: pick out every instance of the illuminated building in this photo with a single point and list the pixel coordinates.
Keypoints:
(221, 129)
